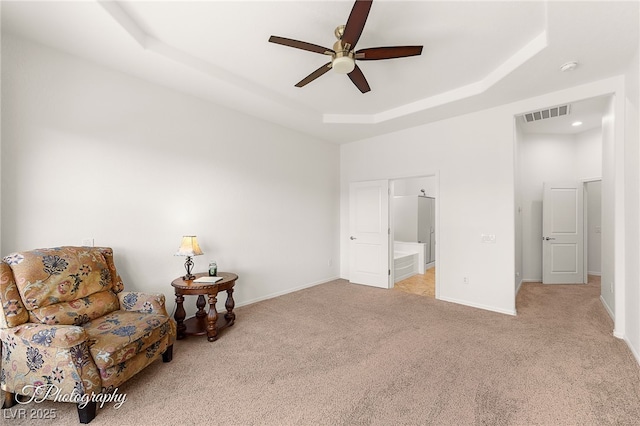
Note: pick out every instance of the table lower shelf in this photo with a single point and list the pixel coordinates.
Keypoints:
(197, 326)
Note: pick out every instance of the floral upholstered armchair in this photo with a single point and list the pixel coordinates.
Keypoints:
(68, 329)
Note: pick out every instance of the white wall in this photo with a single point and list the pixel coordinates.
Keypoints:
(92, 153)
(475, 160)
(588, 161)
(548, 158)
(412, 186)
(405, 218)
(594, 227)
(475, 165)
(632, 206)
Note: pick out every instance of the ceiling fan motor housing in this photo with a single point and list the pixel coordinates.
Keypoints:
(343, 61)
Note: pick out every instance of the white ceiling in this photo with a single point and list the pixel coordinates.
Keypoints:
(476, 54)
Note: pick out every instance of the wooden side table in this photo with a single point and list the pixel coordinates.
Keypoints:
(204, 323)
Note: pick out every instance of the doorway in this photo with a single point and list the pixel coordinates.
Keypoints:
(554, 149)
(413, 235)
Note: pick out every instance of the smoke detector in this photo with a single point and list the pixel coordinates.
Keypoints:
(568, 66)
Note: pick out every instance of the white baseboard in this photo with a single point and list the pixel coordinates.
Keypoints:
(532, 280)
(597, 274)
(282, 293)
(608, 309)
(518, 286)
(632, 349)
(479, 306)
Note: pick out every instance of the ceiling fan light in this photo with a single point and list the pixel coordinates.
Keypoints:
(343, 65)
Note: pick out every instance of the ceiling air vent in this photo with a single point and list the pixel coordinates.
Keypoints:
(543, 114)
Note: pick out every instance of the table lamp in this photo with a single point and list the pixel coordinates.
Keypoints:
(189, 247)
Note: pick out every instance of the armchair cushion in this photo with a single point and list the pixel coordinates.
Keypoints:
(66, 285)
(42, 335)
(77, 312)
(117, 337)
(48, 276)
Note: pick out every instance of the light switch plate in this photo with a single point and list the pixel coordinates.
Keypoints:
(488, 238)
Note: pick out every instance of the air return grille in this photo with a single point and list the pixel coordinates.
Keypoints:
(543, 114)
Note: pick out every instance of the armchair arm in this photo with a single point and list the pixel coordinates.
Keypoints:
(43, 335)
(150, 303)
(41, 357)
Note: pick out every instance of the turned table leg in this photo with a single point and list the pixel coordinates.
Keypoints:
(180, 316)
(212, 319)
(230, 316)
(200, 304)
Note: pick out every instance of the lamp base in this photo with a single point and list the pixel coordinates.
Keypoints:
(188, 265)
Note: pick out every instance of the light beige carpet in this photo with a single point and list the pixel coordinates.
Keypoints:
(343, 354)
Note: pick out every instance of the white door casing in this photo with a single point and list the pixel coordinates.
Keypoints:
(562, 233)
(369, 233)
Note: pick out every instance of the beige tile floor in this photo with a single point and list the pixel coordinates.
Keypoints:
(423, 285)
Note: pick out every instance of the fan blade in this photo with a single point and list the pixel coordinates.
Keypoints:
(358, 79)
(317, 73)
(376, 53)
(301, 45)
(355, 23)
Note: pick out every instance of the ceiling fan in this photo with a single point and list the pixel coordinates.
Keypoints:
(343, 55)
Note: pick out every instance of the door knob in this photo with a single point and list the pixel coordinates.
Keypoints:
(548, 238)
(352, 238)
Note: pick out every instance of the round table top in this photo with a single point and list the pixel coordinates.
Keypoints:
(189, 284)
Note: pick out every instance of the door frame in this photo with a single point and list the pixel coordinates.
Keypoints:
(585, 223)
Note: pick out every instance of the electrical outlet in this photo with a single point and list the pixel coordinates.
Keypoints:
(465, 280)
(329, 262)
(611, 287)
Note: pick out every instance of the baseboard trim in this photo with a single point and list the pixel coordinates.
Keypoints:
(597, 274)
(609, 311)
(282, 293)
(632, 349)
(519, 286)
(478, 306)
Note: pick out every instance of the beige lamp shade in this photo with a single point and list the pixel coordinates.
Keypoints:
(189, 246)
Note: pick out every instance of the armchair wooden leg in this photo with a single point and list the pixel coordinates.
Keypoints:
(167, 355)
(87, 413)
(9, 400)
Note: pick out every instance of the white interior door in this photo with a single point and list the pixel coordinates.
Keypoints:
(562, 233)
(369, 233)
